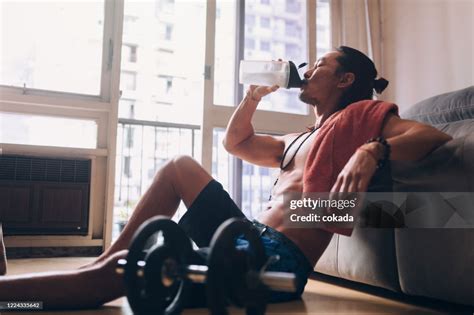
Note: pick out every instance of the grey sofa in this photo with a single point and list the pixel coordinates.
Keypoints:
(429, 262)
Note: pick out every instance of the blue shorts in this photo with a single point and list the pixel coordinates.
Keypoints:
(211, 208)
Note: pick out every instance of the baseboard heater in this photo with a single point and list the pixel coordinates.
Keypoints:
(44, 196)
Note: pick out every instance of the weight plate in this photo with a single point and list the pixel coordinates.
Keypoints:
(141, 301)
(233, 273)
(165, 292)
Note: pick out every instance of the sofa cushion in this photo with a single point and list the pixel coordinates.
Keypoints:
(327, 264)
(457, 129)
(443, 108)
(449, 168)
(436, 263)
(368, 256)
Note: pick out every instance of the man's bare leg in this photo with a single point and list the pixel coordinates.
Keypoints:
(84, 288)
(181, 178)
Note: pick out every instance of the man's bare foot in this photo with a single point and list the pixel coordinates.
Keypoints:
(3, 255)
(116, 247)
(96, 262)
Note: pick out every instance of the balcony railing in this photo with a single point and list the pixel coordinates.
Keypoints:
(142, 148)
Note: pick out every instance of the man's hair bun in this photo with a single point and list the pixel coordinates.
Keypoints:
(380, 85)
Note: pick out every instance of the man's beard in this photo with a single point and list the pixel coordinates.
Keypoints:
(306, 99)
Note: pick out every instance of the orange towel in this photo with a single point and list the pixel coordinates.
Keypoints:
(336, 142)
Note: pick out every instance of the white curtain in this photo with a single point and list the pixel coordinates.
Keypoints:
(356, 23)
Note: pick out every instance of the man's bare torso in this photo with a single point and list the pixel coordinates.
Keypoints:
(291, 180)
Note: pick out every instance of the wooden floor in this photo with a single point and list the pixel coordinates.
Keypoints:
(319, 297)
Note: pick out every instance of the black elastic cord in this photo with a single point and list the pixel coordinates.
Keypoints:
(294, 155)
(287, 149)
(297, 149)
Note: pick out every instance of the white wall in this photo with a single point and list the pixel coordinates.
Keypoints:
(427, 48)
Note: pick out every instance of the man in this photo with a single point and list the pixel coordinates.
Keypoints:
(339, 78)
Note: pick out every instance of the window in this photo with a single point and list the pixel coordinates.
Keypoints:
(249, 20)
(166, 31)
(221, 160)
(247, 169)
(127, 108)
(225, 52)
(129, 137)
(129, 24)
(164, 7)
(292, 29)
(279, 45)
(137, 164)
(323, 30)
(129, 53)
(251, 188)
(19, 128)
(163, 90)
(264, 171)
(250, 43)
(169, 81)
(293, 6)
(126, 167)
(165, 61)
(160, 118)
(264, 46)
(292, 51)
(251, 185)
(264, 22)
(45, 55)
(128, 81)
(257, 183)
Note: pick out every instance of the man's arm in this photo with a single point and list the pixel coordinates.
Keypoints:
(240, 138)
(408, 140)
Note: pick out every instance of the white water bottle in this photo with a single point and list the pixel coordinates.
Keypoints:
(268, 73)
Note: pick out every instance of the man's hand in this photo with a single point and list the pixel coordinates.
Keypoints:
(358, 171)
(256, 92)
(353, 180)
